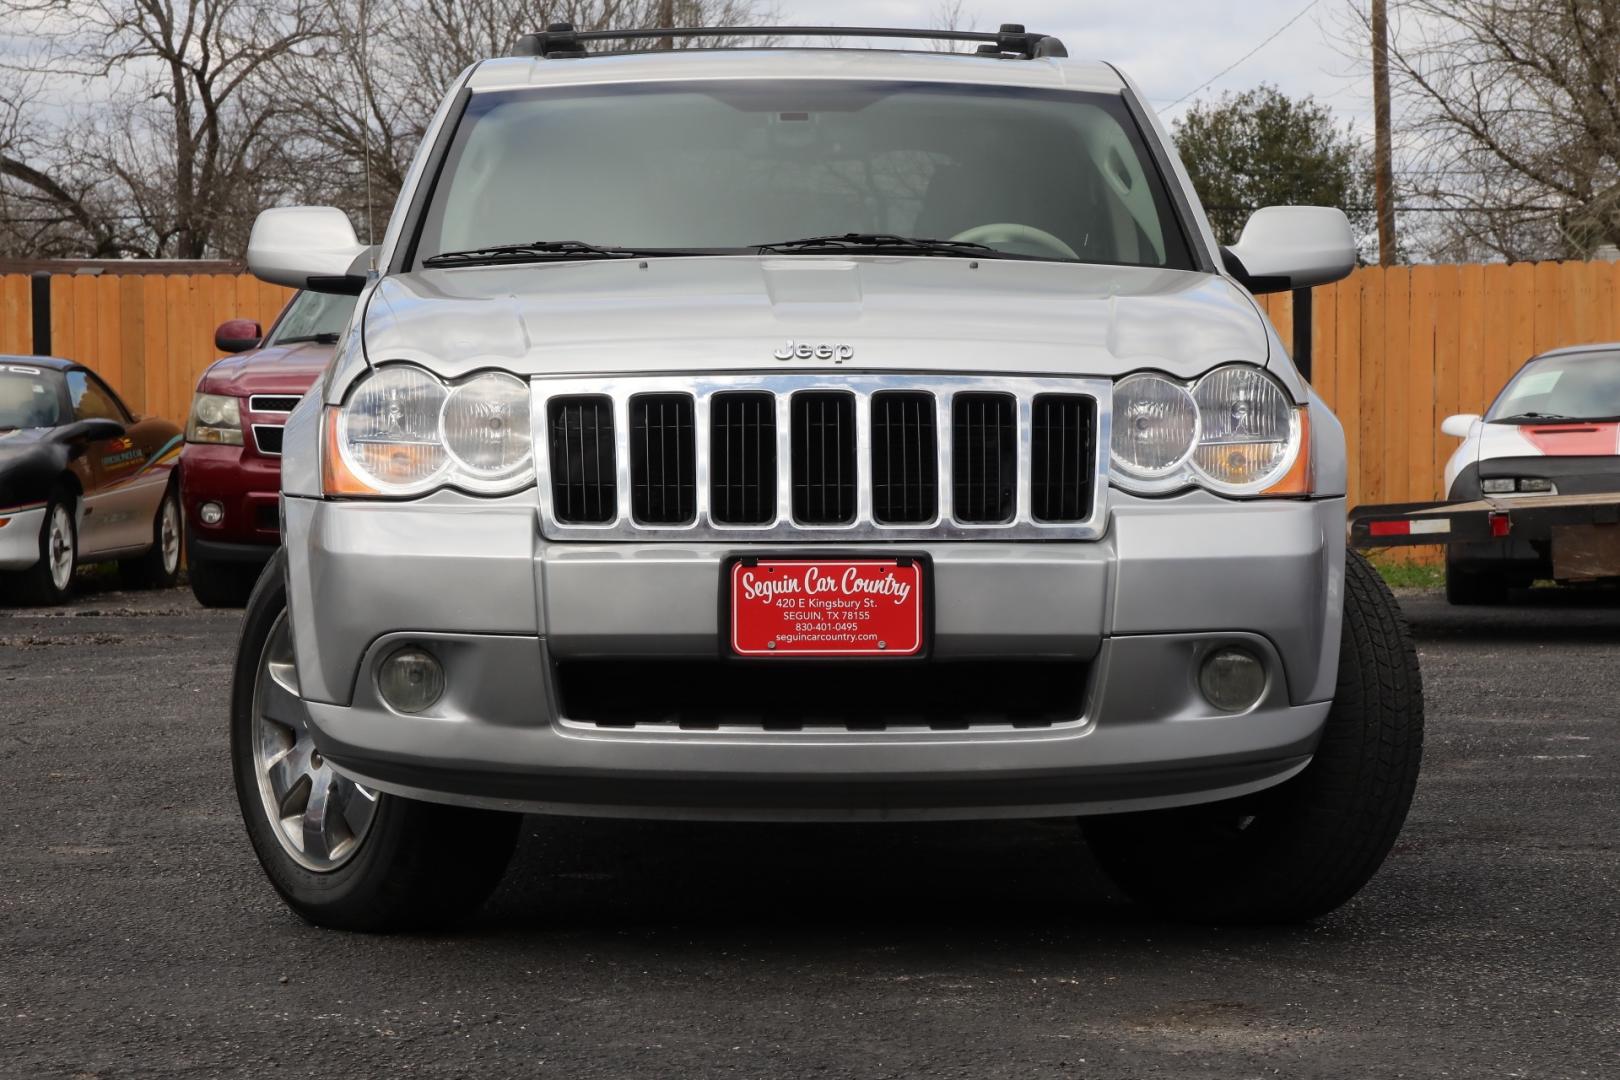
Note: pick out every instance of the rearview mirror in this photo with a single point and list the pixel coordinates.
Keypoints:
(1292, 247)
(237, 335)
(306, 247)
(1460, 424)
(86, 431)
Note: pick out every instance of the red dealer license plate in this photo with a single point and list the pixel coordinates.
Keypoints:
(827, 607)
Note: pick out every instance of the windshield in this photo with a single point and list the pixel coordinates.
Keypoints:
(730, 167)
(30, 397)
(1577, 386)
(313, 316)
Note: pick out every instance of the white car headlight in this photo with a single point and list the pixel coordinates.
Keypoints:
(215, 418)
(403, 432)
(1233, 431)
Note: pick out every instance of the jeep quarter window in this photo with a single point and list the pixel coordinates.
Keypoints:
(733, 166)
(814, 434)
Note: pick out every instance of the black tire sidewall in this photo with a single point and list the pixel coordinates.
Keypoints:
(38, 588)
(419, 864)
(299, 886)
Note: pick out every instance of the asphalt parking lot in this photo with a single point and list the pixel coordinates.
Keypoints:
(138, 938)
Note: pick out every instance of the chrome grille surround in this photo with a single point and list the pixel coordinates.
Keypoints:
(272, 404)
(1022, 526)
(267, 439)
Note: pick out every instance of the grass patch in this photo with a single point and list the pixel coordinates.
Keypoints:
(1403, 575)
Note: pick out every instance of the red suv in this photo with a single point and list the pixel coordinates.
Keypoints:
(230, 469)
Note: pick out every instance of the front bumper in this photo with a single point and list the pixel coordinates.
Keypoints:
(19, 537)
(474, 582)
(247, 487)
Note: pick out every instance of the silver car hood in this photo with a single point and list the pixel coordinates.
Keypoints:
(737, 313)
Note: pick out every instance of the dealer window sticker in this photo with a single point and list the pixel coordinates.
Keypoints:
(1537, 382)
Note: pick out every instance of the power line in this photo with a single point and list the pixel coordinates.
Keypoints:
(1273, 37)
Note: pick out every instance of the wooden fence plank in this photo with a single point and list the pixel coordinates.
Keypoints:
(1348, 401)
(1447, 368)
(1373, 354)
(16, 314)
(1324, 337)
(1471, 339)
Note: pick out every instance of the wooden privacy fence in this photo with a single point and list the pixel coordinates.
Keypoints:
(148, 334)
(1394, 351)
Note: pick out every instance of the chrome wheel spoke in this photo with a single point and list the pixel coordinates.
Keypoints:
(320, 817)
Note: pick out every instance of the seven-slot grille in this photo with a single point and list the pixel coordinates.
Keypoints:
(821, 457)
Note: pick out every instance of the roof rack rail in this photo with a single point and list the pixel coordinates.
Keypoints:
(561, 41)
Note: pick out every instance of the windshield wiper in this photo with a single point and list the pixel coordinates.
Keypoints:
(535, 251)
(326, 338)
(1520, 418)
(913, 245)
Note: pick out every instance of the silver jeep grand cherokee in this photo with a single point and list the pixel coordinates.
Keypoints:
(814, 434)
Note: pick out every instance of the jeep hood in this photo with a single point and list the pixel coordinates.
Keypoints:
(717, 313)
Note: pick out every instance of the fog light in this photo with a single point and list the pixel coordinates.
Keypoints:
(1232, 679)
(1535, 483)
(211, 513)
(411, 680)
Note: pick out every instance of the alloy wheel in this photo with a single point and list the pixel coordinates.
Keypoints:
(169, 535)
(320, 817)
(59, 546)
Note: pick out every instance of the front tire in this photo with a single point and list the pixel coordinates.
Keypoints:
(50, 580)
(159, 568)
(339, 855)
(220, 584)
(1298, 850)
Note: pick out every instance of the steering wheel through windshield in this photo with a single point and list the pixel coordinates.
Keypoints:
(1008, 234)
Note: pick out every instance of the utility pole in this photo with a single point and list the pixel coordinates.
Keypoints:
(1383, 170)
(666, 20)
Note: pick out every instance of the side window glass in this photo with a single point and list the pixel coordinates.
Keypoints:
(92, 400)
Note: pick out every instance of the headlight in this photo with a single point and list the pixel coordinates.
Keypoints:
(1234, 431)
(215, 418)
(404, 432)
(1155, 426)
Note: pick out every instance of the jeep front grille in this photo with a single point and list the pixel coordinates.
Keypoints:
(985, 460)
(822, 457)
(742, 457)
(1061, 456)
(663, 459)
(583, 458)
(905, 463)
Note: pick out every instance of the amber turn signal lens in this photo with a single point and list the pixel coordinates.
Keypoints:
(1298, 479)
(336, 476)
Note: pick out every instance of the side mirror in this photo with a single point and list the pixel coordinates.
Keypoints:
(88, 431)
(1292, 247)
(237, 335)
(306, 247)
(1459, 425)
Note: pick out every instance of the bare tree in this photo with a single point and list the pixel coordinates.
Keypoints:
(1513, 108)
(174, 143)
(356, 113)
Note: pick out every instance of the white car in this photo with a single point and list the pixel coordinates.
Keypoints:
(1553, 430)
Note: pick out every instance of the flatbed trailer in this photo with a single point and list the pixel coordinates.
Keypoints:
(1583, 531)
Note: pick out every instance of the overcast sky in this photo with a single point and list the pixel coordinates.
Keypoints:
(1169, 46)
